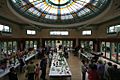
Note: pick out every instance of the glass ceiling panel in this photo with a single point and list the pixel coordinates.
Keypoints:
(58, 9)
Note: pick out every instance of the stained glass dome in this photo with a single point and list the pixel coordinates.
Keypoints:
(59, 11)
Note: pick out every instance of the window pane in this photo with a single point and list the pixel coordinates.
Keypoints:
(59, 33)
(5, 47)
(113, 51)
(103, 48)
(1, 27)
(27, 44)
(6, 28)
(9, 47)
(119, 52)
(32, 32)
(108, 50)
(31, 44)
(87, 32)
(14, 46)
(35, 44)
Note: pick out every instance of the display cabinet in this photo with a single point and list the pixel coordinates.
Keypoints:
(59, 67)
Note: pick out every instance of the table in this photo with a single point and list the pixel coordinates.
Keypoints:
(6, 71)
(59, 67)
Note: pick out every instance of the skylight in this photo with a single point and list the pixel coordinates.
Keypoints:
(59, 10)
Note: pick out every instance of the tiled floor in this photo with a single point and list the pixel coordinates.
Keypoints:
(74, 63)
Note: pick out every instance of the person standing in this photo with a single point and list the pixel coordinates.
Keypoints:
(43, 66)
(66, 52)
(50, 58)
(12, 74)
(37, 72)
(30, 71)
(92, 72)
(84, 69)
(108, 67)
(100, 69)
(22, 63)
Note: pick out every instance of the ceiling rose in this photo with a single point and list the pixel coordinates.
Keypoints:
(58, 2)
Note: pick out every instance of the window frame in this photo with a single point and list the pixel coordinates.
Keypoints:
(59, 33)
(31, 31)
(5, 30)
(87, 33)
(114, 29)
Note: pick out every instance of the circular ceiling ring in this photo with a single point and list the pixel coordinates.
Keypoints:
(59, 2)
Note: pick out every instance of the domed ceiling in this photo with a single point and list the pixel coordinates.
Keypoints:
(59, 11)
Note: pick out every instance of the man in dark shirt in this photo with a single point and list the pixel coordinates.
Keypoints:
(12, 75)
(43, 66)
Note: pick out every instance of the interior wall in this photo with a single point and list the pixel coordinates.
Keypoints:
(99, 31)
